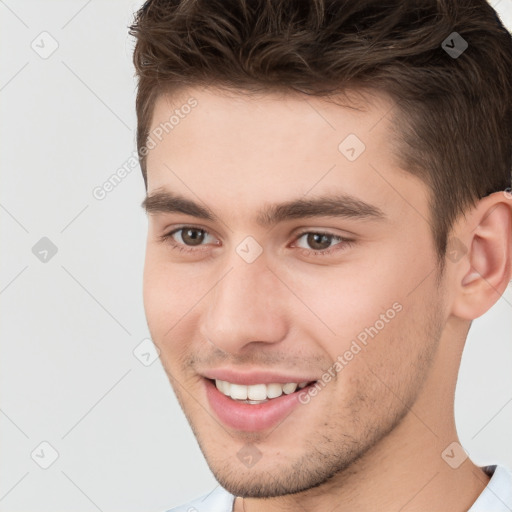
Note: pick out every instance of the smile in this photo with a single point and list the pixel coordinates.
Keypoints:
(257, 393)
(253, 407)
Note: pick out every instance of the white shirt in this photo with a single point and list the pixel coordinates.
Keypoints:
(496, 497)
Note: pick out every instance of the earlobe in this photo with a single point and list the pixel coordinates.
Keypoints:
(487, 232)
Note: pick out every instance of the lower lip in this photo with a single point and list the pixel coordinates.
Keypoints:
(247, 417)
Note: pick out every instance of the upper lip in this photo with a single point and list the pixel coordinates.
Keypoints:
(250, 377)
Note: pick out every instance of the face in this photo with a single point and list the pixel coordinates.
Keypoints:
(281, 251)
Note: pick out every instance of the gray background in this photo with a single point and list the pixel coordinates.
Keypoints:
(70, 324)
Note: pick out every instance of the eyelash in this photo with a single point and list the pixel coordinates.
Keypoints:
(344, 242)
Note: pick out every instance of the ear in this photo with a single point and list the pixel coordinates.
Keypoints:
(483, 240)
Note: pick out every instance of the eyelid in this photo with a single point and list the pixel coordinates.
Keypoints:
(345, 234)
(322, 233)
(177, 227)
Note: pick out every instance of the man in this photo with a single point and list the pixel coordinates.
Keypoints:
(328, 194)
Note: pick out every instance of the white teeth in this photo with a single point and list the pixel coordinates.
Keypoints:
(289, 388)
(257, 393)
(223, 386)
(238, 391)
(274, 390)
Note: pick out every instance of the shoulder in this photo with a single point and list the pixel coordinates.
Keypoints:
(497, 496)
(219, 500)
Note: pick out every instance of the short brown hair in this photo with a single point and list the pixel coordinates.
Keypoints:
(454, 113)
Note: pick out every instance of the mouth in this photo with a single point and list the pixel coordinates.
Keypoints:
(253, 407)
(255, 394)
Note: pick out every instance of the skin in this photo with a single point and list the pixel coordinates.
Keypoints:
(372, 438)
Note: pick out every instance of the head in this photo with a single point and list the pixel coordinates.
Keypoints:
(341, 179)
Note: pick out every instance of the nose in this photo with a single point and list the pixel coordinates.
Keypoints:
(247, 305)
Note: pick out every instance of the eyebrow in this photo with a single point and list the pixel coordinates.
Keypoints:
(341, 205)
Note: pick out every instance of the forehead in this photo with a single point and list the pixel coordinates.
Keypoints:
(272, 146)
(274, 113)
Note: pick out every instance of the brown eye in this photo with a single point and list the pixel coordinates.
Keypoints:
(187, 238)
(192, 236)
(319, 241)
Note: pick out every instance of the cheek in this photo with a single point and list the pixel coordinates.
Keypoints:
(169, 298)
(169, 293)
(397, 349)
(365, 311)
(346, 299)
